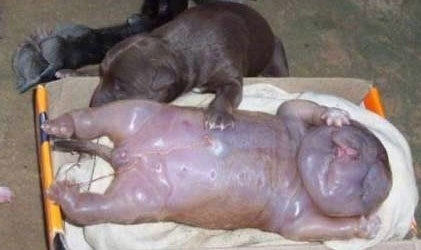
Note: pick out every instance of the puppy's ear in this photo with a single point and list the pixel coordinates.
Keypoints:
(163, 78)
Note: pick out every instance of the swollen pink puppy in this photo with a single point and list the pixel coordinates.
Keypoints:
(308, 173)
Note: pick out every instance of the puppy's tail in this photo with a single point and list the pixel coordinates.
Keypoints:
(87, 147)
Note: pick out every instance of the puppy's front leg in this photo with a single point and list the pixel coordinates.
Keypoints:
(311, 113)
(227, 97)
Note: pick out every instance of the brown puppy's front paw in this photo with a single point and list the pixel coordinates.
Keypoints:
(369, 227)
(335, 117)
(61, 127)
(218, 120)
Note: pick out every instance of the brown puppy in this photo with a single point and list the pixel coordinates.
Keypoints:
(210, 47)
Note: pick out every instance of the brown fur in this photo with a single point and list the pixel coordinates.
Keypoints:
(210, 47)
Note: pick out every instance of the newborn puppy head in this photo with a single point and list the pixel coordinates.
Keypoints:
(28, 64)
(138, 68)
(345, 170)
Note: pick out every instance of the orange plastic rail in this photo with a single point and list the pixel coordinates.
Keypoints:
(53, 218)
(373, 102)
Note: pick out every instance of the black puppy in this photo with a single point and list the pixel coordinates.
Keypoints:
(73, 46)
(210, 47)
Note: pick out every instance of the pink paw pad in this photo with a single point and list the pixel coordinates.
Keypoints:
(58, 129)
(60, 191)
(335, 117)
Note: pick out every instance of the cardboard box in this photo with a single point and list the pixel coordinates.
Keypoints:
(71, 93)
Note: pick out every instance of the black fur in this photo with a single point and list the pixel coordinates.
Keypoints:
(73, 46)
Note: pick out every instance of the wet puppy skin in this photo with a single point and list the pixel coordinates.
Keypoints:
(209, 47)
(307, 173)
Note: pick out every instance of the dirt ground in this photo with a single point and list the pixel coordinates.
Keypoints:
(376, 40)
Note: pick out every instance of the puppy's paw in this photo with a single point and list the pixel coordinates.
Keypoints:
(218, 120)
(63, 192)
(62, 127)
(369, 227)
(335, 117)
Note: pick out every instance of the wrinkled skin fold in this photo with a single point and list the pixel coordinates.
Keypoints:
(308, 173)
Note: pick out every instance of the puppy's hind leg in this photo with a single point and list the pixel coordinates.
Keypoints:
(278, 65)
(124, 201)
